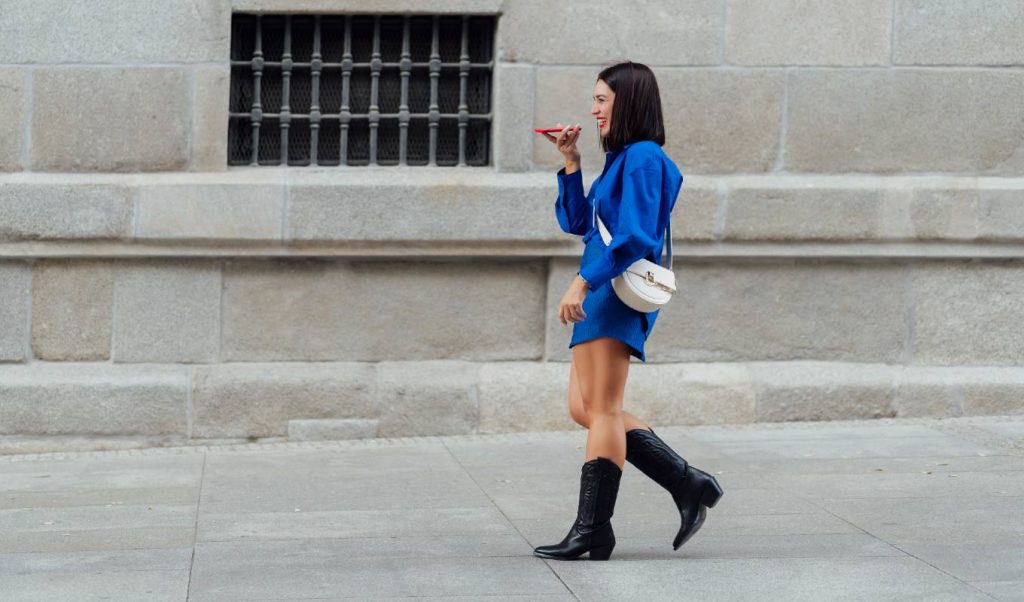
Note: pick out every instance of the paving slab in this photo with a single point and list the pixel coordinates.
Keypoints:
(889, 509)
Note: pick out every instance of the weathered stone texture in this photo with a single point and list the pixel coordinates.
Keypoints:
(383, 310)
(905, 120)
(122, 119)
(795, 32)
(72, 309)
(259, 400)
(167, 310)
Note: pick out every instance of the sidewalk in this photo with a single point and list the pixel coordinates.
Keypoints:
(863, 510)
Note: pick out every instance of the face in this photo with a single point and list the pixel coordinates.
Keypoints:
(602, 107)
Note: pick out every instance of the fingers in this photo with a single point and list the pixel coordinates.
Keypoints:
(566, 138)
(569, 132)
(571, 313)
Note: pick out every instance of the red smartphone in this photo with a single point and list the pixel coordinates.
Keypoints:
(548, 130)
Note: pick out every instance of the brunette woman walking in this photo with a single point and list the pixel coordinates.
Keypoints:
(633, 197)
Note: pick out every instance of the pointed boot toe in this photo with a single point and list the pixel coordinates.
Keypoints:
(692, 489)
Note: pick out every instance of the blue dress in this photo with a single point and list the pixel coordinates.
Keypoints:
(634, 197)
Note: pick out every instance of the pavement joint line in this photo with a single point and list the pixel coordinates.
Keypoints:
(507, 519)
(195, 529)
(967, 431)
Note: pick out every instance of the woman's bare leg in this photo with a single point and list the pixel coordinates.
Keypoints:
(603, 365)
(578, 409)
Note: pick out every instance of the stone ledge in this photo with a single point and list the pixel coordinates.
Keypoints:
(457, 7)
(497, 397)
(465, 212)
(15, 449)
(70, 398)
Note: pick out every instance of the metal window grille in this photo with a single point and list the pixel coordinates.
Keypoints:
(360, 90)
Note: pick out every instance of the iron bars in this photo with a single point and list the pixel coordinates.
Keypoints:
(360, 90)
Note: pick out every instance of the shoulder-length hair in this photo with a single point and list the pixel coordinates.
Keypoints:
(636, 111)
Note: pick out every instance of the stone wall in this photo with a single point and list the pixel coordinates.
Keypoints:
(847, 240)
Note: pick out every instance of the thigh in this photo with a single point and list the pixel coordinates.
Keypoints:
(602, 366)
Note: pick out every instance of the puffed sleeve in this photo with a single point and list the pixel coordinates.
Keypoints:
(635, 231)
(571, 208)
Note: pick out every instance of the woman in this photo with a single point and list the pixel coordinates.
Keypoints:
(634, 197)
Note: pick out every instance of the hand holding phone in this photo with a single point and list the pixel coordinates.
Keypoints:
(566, 139)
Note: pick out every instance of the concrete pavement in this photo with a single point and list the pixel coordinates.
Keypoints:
(863, 510)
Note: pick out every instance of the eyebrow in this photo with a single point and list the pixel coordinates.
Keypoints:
(596, 95)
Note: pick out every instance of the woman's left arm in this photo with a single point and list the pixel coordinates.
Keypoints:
(636, 231)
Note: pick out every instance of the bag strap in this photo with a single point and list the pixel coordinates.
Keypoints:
(667, 243)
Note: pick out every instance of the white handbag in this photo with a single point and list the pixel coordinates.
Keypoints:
(645, 286)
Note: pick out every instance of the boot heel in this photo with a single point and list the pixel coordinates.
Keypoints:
(602, 553)
(712, 492)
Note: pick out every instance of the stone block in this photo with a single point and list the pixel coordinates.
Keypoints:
(823, 391)
(72, 309)
(794, 32)
(210, 211)
(693, 217)
(960, 391)
(259, 400)
(992, 390)
(383, 310)
(427, 398)
(111, 31)
(524, 396)
(680, 32)
(44, 398)
(796, 310)
(167, 310)
(422, 208)
(927, 391)
(131, 119)
(513, 124)
(331, 429)
(706, 135)
(905, 120)
(15, 303)
(64, 211)
(702, 133)
(958, 33)
(967, 312)
(815, 213)
(12, 93)
(210, 100)
(1001, 215)
(945, 214)
(690, 393)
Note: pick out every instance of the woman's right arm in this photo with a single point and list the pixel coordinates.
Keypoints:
(571, 207)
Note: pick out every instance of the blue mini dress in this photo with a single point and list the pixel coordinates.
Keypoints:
(634, 196)
(607, 316)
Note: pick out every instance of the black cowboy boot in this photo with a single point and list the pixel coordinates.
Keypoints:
(592, 531)
(693, 490)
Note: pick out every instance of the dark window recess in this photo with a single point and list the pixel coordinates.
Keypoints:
(360, 90)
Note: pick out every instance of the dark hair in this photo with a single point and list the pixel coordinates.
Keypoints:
(636, 111)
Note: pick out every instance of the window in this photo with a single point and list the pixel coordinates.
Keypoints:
(360, 90)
